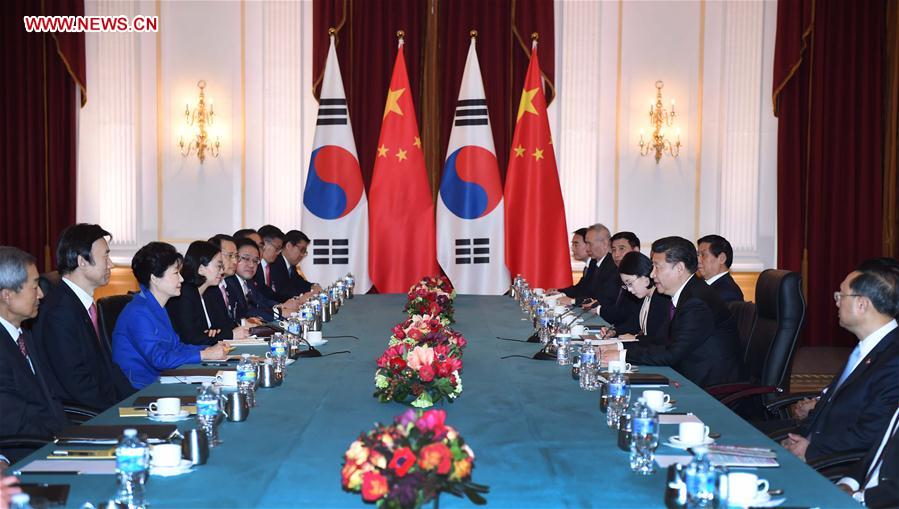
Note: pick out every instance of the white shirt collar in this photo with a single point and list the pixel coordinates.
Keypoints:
(869, 343)
(599, 262)
(289, 266)
(11, 329)
(716, 277)
(676, 296)
(263, 263)
(87, 300)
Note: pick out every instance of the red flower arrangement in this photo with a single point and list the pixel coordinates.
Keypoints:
(432, 296)
(420, 375)
(410, 462)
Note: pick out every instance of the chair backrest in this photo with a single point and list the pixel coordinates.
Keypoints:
(108, 311)
(744, 313)
(780, 310)
(48, 281)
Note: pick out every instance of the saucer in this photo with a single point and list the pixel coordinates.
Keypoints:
(181, 416)
(762, 500)
(667, 408)
(677, 444)
(319, 343)
(181, 468)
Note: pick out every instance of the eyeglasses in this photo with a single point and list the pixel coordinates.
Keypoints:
(229, 256)
(837, 296)
(245, 258)
(276, 247)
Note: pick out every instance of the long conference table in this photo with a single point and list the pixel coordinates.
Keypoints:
(539, 440)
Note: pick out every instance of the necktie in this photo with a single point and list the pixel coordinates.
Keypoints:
(224, 294)
(671, 311)
(268, 276)
(21, 342)
(92, 312)
(850, 365)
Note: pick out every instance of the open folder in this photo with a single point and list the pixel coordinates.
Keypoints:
(110, 434)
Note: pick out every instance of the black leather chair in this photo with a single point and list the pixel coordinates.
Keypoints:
(108, 311)
(779, 313)
(48, 281)
(744, 314)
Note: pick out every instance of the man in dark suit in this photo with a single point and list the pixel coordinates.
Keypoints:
(854, 410)
(252, 299)
(875, 480)
(67, 328)
(222, 311)
(578, 253)
(715, 258)
(272, 245)
(604, 294)
(28, 404)
(285, 277)
(702, 340)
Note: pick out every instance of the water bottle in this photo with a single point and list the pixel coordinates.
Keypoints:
(208, 409)
(246, 378)
(20, 501)
(618, 399)
(563, 351)
(701, 480)
(588, 367)
(278, 346)
(131, 465)
(293, 324)
(644, 438)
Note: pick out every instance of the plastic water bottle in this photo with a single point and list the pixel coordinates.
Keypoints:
(293, 324)
(644, 438)
(588, 367)
(208, 409)
(563, 349)
(701, 480)
(131, 465)
(20, 501)
(246, 378)
(618, 398)
(278, 346)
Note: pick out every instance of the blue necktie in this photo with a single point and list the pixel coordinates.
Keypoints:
(850, 365)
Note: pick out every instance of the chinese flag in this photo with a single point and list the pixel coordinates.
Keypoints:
(402, 245)
(536, 236)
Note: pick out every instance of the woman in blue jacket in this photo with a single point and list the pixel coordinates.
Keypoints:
(144, 343)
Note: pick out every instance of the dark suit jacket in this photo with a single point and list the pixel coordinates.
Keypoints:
(29, 407)
(623, 312)
(886, 493)
(255, 303)
(854, 416)
(79, 367)
(269, 292)
(287, 282)
(656, 320)
(702, 344)
(188, 319)
(603, 284)
(728, 289)
(222, 317)
(579, 289)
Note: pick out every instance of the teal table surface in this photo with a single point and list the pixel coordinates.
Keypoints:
(539, 440)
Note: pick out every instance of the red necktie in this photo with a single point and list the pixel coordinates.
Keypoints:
(268, 275)
(92, 312)
(21, 342)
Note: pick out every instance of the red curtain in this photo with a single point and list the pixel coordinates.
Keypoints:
(367, 45)
(37, 139)
(828, 96)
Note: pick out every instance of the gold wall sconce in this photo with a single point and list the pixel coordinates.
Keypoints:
(196, 122)
(660, 119)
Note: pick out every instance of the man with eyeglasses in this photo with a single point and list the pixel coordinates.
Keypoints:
(243, 290)
(855, 409)
(287, 280)
(220, 306)
(270, 254)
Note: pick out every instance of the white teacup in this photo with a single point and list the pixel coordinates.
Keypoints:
(619, 366)
(165, 455)
(228, 378)
(743, 488)
(657, 400)
(314, 337)
(166, 406)
(692, 433)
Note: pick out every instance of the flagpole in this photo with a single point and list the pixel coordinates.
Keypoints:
(400, 34)
(534, 38)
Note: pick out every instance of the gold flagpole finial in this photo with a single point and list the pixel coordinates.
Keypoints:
(535, 36)
(332, 31)
(473, 34)
(401, 34)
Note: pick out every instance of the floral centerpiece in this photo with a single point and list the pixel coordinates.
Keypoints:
(426, 330)
(432, 296)
(420, 375)
(410, 462)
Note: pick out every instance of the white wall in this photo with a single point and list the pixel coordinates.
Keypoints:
(714, 57)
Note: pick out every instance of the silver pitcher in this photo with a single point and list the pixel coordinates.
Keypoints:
(266, 375)
(237, 407)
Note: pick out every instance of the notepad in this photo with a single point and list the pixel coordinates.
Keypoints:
(186, 379)
(73, 467)
(677, 419)
(725, 460)
(245, 342)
